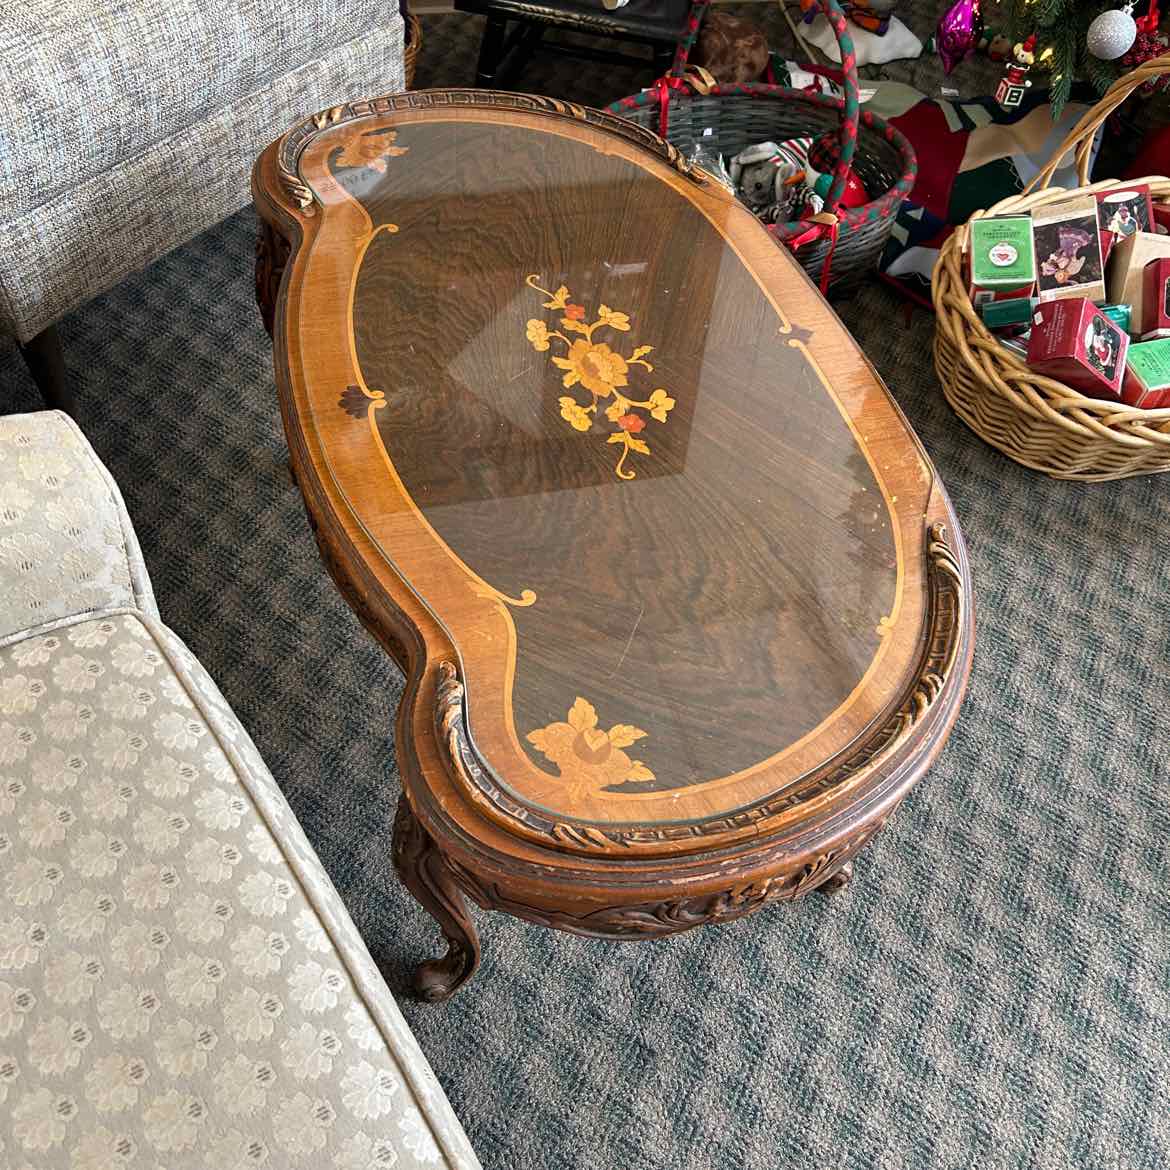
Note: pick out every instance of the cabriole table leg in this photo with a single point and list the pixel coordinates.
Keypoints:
(426, 875)
(271, 257)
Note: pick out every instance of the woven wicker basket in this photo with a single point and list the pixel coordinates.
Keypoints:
(1035, 420)
(682, 106)
(413, 44)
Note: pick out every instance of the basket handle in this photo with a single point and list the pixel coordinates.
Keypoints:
(851, 106)
(851, 109)
(690, 35)
(1081, 136)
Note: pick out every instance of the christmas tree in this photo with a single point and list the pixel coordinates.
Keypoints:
(1097, 41)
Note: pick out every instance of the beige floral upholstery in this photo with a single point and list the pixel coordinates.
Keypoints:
(66, 546)
(180, 985)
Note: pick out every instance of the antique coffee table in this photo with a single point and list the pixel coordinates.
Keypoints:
(682, 606)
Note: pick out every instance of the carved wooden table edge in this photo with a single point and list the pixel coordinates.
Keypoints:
(950, 605)
(438, 856)
(277, 168)
(443, 865)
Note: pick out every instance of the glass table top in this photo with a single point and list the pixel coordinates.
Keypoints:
(625, 445)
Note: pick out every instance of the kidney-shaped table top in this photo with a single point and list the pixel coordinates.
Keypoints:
(665, 562)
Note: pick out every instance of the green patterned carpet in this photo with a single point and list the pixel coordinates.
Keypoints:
(992, 992)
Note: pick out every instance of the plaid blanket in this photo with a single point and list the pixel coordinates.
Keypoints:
(971, 154)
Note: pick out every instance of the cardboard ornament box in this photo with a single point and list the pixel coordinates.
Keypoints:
(1001, 260)
(1075, 343)
(1127, 269)
(1155, 318)
(1068, 250)
(1123, 213)
(1008, 318)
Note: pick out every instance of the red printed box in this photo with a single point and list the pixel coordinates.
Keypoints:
(1156, 300)
(1122, 213)
(1075, 343)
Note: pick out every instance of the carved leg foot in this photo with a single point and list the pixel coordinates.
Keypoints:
(838, 881)
(425, 874)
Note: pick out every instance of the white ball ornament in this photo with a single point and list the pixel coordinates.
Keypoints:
(1112, 34)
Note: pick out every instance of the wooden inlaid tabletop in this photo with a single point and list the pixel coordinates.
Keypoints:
(667, 564)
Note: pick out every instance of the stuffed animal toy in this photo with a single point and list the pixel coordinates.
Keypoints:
(775, 180)
(996, 45)
(763, 173)
(871, 15)
(731, 49)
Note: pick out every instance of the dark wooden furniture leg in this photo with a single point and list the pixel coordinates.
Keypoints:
(425, 874)
(271, 257)
(491, 51)
(46, 363)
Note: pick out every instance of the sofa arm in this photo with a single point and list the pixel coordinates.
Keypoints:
(66, 543)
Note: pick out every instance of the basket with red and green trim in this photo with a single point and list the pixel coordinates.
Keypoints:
(839, 245)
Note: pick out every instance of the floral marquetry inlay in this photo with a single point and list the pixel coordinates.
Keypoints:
(373, 149)
(589, 758)
(601, 372)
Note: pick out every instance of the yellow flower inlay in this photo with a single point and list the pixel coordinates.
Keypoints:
(575, 414)
(590, 759)
(372, 149)
(661, 404)
(601, 370)
(559, 299)
(538, 335)
(614, 320)
(595, 366)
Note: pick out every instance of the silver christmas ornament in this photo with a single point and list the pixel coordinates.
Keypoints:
(1112, 34)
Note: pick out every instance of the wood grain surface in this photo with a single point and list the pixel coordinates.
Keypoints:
(668, 572)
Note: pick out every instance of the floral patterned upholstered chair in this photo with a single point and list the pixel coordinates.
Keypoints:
(180, 984)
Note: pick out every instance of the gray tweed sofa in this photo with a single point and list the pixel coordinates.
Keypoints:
(131, 126)
(180, 984)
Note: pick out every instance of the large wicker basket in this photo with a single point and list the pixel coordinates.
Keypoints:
(1035, 420)
(838, 246)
